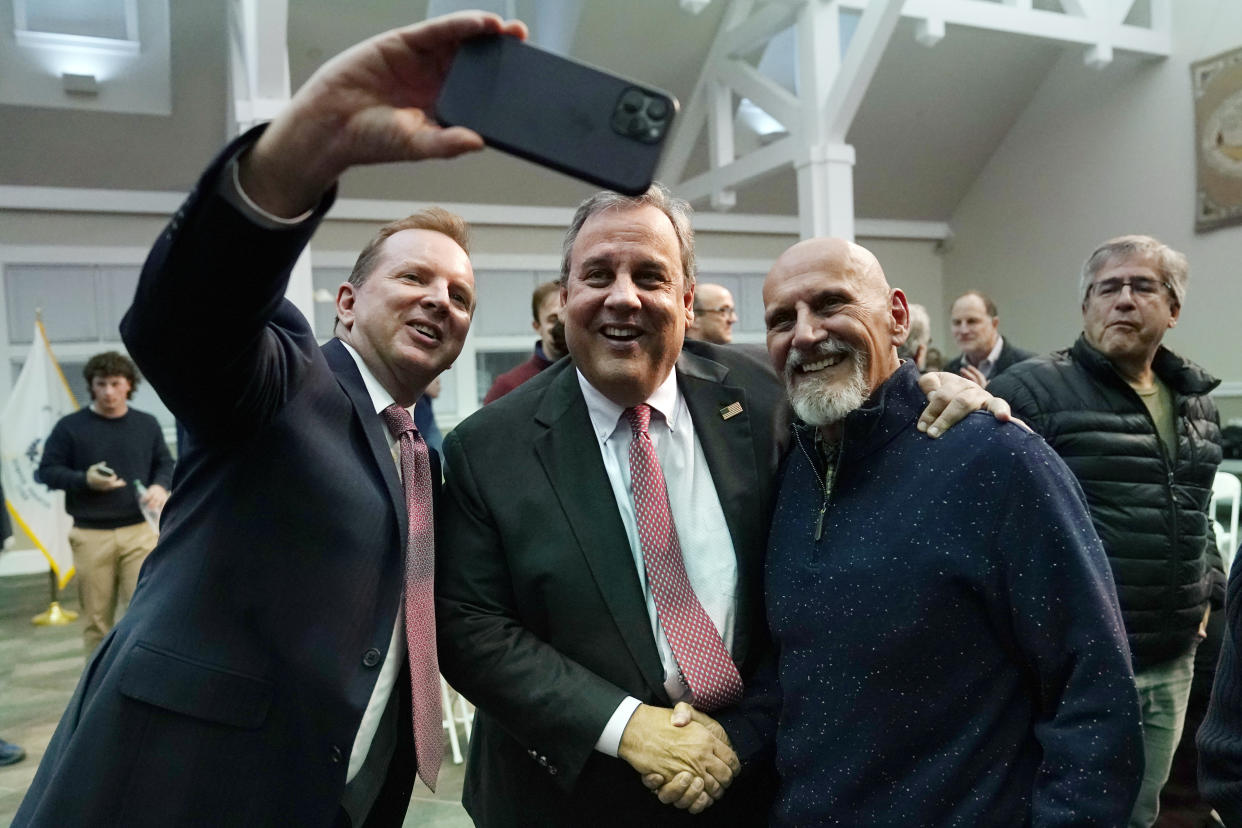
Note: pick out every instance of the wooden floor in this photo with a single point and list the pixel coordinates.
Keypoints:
(39, 669)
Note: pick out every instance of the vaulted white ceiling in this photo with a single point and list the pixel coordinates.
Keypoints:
(928, 123)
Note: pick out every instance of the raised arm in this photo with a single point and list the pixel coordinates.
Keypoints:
(370, 104)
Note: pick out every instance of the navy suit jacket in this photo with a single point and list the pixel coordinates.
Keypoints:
(232, 690)
(541, 613)
(1009, 355)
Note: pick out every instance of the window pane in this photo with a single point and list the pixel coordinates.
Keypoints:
(504, 302)
(116, 294)
(325, 281)
(90, 18)
(491, 364)
(64, 293)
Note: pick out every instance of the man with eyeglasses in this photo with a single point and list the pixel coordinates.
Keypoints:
(1134, 422)
(714, 314)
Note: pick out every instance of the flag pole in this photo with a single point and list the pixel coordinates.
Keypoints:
(54, 615)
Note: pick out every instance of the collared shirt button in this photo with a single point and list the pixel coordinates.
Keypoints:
(336, 755)
(552, 769)
(371, 657)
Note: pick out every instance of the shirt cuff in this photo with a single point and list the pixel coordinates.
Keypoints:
(610, 740)
(230, 190)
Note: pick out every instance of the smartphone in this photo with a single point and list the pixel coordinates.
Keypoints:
(557, 112)
(106, 471)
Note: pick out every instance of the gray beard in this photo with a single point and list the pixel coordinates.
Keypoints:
(819, 401)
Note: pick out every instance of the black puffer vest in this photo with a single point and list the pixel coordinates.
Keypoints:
(1151, 512)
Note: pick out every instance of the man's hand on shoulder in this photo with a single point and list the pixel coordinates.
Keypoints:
(370, 104)
(683, 746)
(951, 397)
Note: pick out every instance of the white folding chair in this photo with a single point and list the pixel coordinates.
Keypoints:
(1227, 490)
(449, 721)
(463, 715)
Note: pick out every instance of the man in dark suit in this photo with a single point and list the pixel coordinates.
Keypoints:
(976, 329)
(263, 673)
(546, 621)
(552, 606)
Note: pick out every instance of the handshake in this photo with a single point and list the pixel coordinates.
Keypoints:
(685, 758)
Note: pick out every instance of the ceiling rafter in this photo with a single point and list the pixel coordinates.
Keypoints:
(258, 60)
(831, 86)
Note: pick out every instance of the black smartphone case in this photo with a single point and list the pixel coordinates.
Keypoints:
(557, 112)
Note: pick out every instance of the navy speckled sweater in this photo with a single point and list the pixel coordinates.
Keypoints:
(951, 651)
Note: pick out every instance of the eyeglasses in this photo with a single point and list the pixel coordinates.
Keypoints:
(726, 311)
(1141, 287)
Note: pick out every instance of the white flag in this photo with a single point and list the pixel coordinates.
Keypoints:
(39, 399)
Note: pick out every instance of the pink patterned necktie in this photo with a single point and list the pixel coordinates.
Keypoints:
(420, 618)
(705, 664)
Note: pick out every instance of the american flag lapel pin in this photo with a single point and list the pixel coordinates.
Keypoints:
(731, 410)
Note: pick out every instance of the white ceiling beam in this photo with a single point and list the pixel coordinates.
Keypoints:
(858, 66)
(1021, 19)
(763, 92)
(693, 119)
(1121, 10)
(929, 32)
(259, 59)
(755, 31)
(686, 128)
(762, 161)
(831, 86)
(819, 62)
(720, 139)
(259, 64)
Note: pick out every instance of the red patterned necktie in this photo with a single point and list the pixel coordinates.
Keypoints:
(420, 618)
(705, 664)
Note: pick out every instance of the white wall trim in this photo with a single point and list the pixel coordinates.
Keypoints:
(71, 254)
(83, 200)
(150, 202)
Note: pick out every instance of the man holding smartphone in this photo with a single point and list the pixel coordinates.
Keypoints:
(98, 455)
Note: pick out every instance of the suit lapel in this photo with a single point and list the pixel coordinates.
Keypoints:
(350, 380)
(728, 445)
(569, 452)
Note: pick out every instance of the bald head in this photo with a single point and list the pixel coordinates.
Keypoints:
(846, 259)
(834, 325)
(714, 314)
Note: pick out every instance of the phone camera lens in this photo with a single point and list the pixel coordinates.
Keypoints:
(657, 109)
(632, 101)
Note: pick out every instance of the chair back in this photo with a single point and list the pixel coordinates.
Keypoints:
(1227, 492)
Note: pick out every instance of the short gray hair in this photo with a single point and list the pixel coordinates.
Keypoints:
(657, 196)
(920, 332)
(1170, 264)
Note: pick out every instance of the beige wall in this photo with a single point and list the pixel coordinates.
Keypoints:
(1095, 155)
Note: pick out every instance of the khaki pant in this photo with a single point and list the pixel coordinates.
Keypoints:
(107, 563)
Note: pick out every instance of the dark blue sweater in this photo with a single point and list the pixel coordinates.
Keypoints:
(132, 445)
(950, 651)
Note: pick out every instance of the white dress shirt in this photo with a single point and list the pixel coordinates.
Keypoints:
(395, 653)
(706, 545)
(988, 365)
